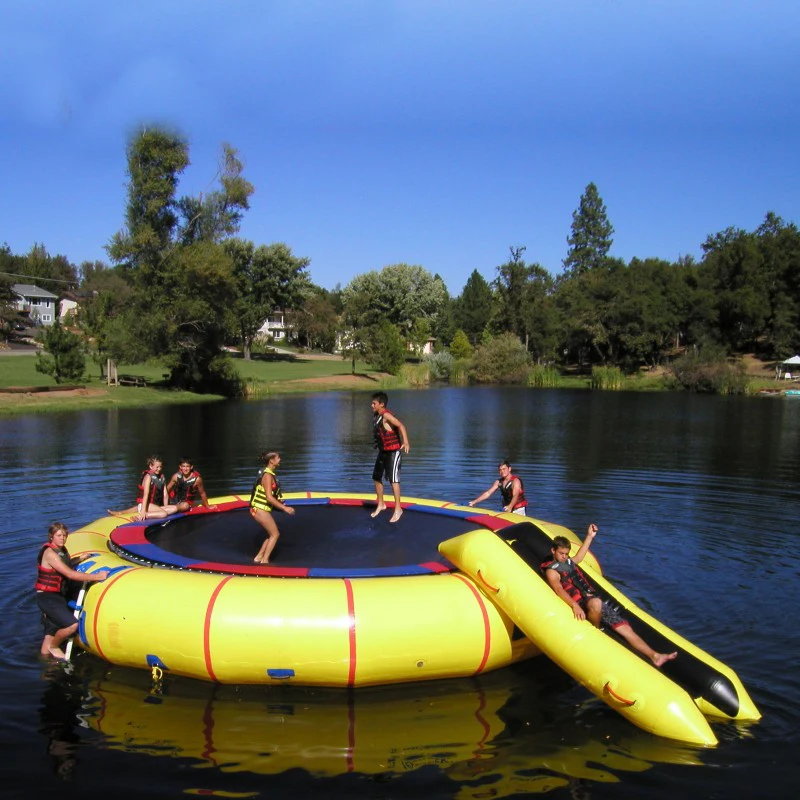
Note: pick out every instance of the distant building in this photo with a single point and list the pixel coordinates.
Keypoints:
(275, 326)
(39, 305)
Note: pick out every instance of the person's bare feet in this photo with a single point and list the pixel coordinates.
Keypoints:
(398, 512)
(58, 654)
(378, 511)
(659, 659)
(118, 514)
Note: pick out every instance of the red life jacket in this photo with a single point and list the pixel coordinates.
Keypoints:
(156, 488)
(185, 488)
(48, 580)
(573, 581)
(387, 440)
(507, 490)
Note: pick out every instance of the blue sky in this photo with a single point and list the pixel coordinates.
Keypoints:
(430, 132)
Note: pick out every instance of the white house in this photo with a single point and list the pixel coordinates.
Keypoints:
(275, 326)
(38, 304)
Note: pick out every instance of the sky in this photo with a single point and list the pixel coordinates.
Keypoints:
(431, 132)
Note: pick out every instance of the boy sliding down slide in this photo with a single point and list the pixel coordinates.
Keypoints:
(567, 580)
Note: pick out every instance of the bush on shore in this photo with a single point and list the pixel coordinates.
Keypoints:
(503, 359)
(699, 372)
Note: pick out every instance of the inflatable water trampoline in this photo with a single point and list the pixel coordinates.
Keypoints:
(353, 600)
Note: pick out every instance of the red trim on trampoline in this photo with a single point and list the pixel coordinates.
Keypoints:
(207, 628)
(351, 613)
(247, 569)
(435, 566)
(487, 521)
(487, 631)
(347, 501)
(107, 584)
(128, 534)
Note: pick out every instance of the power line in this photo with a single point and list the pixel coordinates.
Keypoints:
(35, 277)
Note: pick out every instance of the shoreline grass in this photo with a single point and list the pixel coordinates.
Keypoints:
(266, 376)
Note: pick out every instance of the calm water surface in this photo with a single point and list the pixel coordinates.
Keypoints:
(698, 502)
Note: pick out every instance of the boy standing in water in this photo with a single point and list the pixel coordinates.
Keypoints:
(511, 489)
(567, 580)
(55, 569)
(391, 439)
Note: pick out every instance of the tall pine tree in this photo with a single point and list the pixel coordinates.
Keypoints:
(590, 239)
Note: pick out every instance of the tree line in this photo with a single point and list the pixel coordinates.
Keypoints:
(182, 284)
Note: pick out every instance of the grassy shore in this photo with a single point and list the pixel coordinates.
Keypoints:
(263, 376)
(272, 374)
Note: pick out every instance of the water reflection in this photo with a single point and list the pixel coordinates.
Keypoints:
(698, 501)
(503, 734)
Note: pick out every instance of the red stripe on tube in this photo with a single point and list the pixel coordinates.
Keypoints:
(487, 632)
(207, 628)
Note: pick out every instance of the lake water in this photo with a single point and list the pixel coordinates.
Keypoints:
(698, 502)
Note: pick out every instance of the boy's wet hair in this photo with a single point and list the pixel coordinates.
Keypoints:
(381, 397)
(55, 528)
(561, 541)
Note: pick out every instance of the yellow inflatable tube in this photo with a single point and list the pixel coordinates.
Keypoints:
(505, 566)
(242, 629)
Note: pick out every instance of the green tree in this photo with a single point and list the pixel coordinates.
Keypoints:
(385, 347)
(315, 318)
(733, 266)
(183, 280)
(779, 245)
(54, 273)
(540, 316)
(63, 357)
(460, 347)
(191, 323)
(511, 287)
(156, 159)
(267, 277)
(590, 239)
(8, 313)
(503, 359)
(473, 308)
(399, 293)
(419, 335)
(105, 296)
(218, 214)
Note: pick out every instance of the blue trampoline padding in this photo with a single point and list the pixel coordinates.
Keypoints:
(309, 501)
(151, 552)
(444, 512)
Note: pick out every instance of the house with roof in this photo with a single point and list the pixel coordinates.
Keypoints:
(39, 305)
(275, 326)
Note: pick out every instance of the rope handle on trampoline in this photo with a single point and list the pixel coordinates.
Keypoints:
(618, 697)
(484, 582)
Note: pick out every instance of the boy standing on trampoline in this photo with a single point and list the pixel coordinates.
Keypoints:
(391, 439)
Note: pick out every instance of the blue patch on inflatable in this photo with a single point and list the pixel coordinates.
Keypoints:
(155, 661)
(280, 674)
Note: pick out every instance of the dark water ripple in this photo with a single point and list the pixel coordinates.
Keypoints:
(697, 499)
